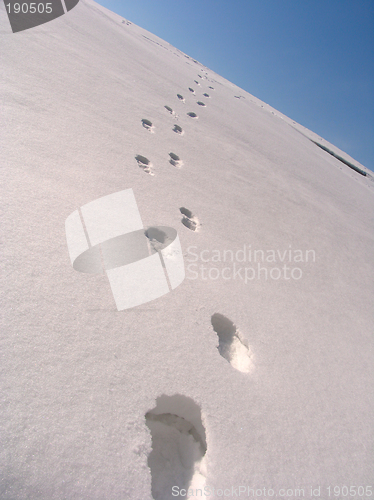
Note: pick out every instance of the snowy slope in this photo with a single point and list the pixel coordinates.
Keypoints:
(100, 404)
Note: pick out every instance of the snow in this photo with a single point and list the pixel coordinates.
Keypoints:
(236, 377)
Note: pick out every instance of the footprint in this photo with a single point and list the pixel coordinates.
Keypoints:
(206, 95)
(145, 164)
(189, 220)
(168, 108)
(175, 160)
(192, 115)
(200, 103)
(181, 98)
(199, 76)
(178, 446)
(232, 346)
(191, 90)
(197, 83)
(156, 237)
(148, 125)
(211, 88)
(177, 129)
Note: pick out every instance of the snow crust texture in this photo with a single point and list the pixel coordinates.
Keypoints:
(257, 370)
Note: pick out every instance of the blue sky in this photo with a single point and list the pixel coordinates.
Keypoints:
(312, 60)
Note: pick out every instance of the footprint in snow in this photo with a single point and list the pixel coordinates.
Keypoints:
(191, 90)
(197, 83)
(211, 88)
(200, 103)
(175, 160)
(148, 125)
(189, 220)
(191, 114)
(178, 130)
(181, 98)
(168, 108)
(232, 345)
(178, 446)
(145, 164)
(206, 95)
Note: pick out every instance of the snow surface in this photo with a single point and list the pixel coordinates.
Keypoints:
(221, 383)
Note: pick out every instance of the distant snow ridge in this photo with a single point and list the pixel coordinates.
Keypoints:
(232, 346)
(178, 446)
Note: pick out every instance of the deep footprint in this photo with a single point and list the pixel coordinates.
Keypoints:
(175, 160)
(178, 445)
(178, 130)
(191, 90)
(206, 95)
(192, 115)
(147, 125)
(168, 108)
(145, 164)
(232, 346)
(200, 103)
(197, 83)
(189, 220)
(180, 97)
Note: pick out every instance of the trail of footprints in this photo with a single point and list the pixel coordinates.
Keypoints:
(178, 435)
(174, 159)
